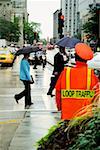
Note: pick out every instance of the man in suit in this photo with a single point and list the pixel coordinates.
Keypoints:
(60, 59)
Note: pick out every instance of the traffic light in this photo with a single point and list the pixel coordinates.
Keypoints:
(60, 24)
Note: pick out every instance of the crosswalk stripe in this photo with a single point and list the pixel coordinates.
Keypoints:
(33, 110)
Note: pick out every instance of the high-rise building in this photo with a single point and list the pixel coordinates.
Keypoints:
(14, 8)
(83, 9)
(84, 5)
(55, 26)
(5, 9)
(69, 10)
(20, 10)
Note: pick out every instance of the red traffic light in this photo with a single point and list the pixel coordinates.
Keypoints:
(62, 17)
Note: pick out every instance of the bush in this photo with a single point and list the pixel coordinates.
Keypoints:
(81, 133)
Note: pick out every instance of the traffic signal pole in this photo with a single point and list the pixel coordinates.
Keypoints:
(60, 24)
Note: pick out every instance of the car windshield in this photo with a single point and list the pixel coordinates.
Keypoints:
(4, 52)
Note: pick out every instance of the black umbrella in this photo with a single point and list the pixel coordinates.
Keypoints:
(69, 42)
(27, 50)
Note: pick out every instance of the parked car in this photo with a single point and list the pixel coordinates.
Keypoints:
(95, 63)
(6, 57)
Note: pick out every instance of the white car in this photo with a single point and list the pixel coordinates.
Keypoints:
(95, 63)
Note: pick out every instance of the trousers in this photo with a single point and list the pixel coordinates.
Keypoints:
(26, 92)
(52, 84)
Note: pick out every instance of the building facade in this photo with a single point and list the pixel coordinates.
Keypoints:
(69, 10)
(84, 5)
(5, 9)
(55, 25)
(83, 9)
(14, 8)
(20, 11)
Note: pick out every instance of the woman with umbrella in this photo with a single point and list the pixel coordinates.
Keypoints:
(25, 77)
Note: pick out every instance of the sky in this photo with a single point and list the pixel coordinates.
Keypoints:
(41, 11)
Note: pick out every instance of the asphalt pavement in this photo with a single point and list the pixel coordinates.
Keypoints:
(21, 128)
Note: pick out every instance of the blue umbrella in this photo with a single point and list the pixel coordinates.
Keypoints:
(69, 42)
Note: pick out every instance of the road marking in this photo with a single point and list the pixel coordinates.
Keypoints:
(7, 95)
(34, 93)
(10, 121)
(33, 110)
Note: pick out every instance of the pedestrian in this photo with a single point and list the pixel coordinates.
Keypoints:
(74, 88)
(25, 77)
(60, 59)
(44, 60)
(35, 61)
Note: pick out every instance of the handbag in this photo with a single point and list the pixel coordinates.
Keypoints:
(32, 79)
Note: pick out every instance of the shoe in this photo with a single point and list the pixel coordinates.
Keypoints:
(27, 107)
(31, 104)
(16, 99)
(49, 93)
(52, 95)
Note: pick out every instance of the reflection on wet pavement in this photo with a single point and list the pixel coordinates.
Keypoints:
(20, 128)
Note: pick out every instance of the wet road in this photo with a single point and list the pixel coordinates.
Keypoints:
(12, 114)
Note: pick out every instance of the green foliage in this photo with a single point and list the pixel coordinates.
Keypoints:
(44, 42)
(78, 35)
(91, 26)
(9, 30)
(46, 141)
(82, 133)
(89, 136)
(29, 30)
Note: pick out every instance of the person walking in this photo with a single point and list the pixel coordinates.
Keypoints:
(60, 59)
(75, 86)
(25, 77)
(35, 61)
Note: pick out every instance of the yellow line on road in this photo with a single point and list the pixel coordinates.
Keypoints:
(10, 121)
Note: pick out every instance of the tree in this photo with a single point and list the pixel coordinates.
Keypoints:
(91, 27)
(31, 32)
(9, 30)
(15, 30)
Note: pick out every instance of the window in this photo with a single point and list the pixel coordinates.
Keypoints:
(8, 4)
(18, 3)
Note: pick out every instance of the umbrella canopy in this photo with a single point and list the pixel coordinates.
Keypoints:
(27, 50)
(69, 42)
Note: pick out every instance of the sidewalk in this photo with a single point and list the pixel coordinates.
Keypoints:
(33, 127)
(40, 117)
